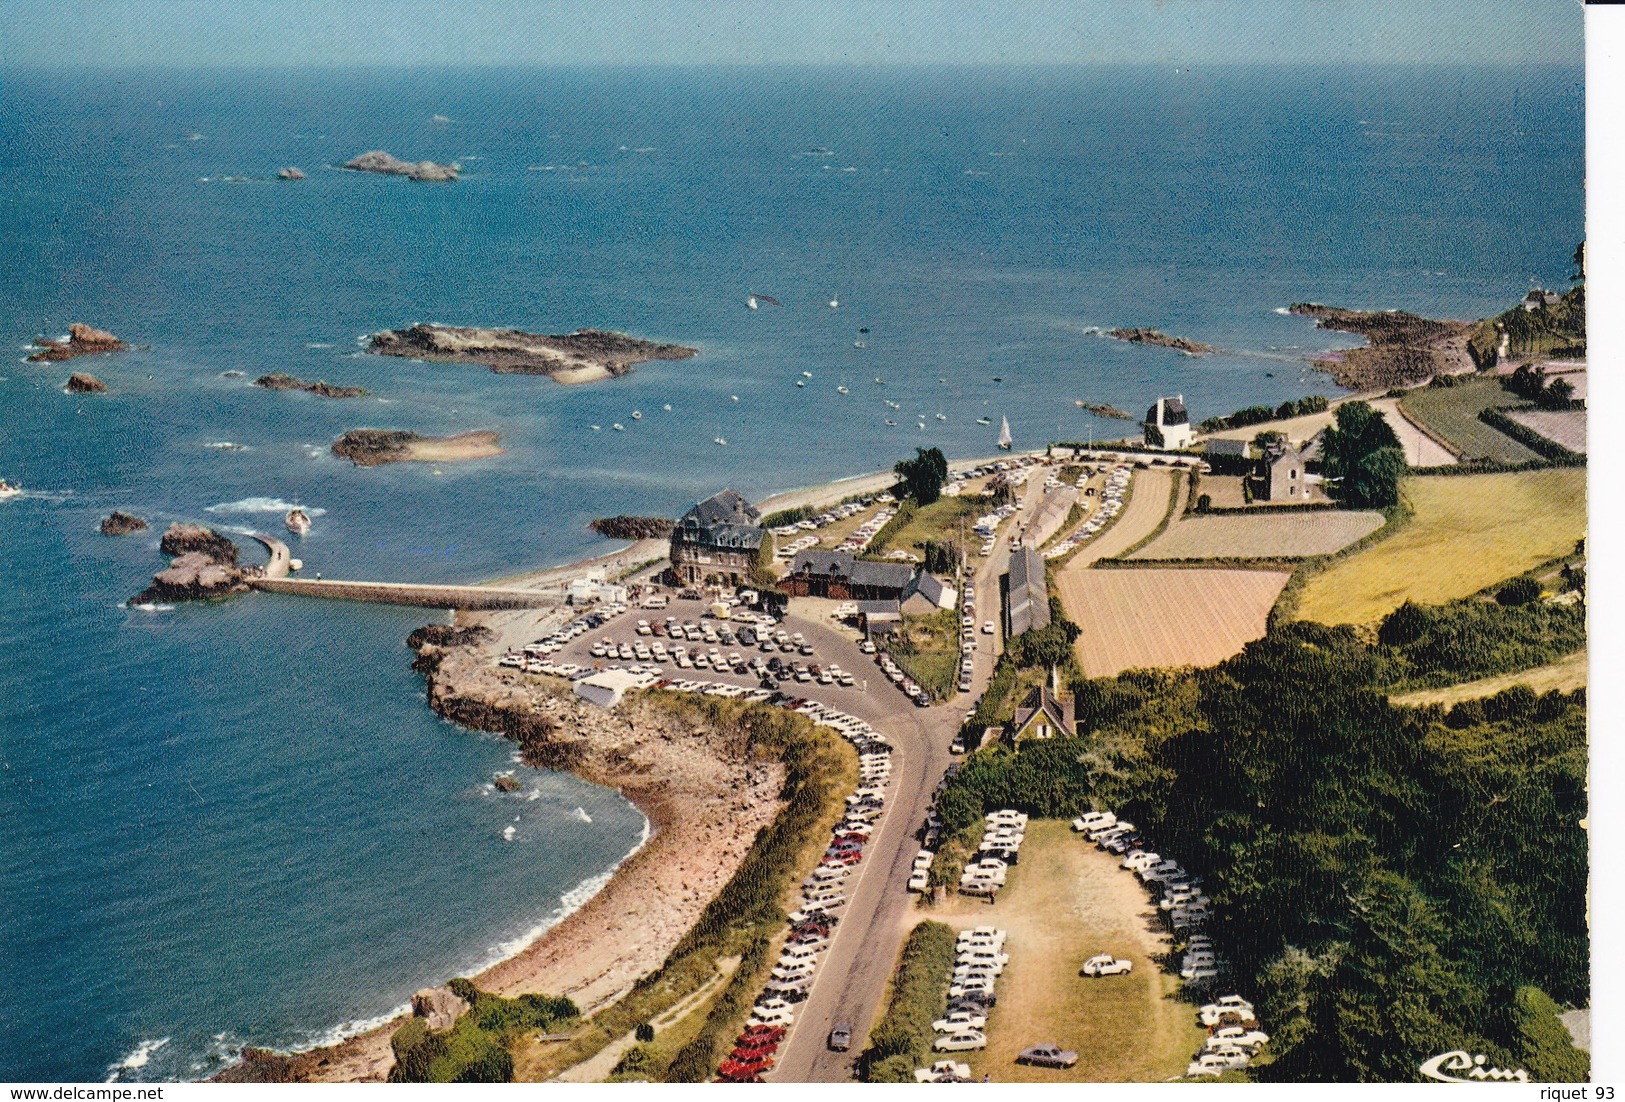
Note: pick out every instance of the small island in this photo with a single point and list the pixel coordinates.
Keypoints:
(290, 173)
(122, 524)
(204, 566)
(1161, 340)
(386, 165)
(633, 528)
(278, 381)
(83, 340)
(580, 357)
(1401, 348)
(374, 447)
(1101, 409)
(80, 383)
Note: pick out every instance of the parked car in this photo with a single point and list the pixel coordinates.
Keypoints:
(958, 1020)
(1048, 1056)
(1107, 965)
(840, 1038)
(1237, 1035)
(965, 1040)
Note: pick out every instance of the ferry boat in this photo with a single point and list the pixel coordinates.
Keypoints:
(297, 520)
(8, 490)
(1004, 433)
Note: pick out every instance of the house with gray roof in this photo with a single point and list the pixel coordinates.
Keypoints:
(842, 576)
(1024, 593)
(1044, 715)
(717, 541)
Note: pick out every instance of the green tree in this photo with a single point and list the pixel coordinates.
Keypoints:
(924, 475)
(1362, 456)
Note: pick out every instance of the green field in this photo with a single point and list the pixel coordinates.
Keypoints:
(928, 651)
(1452, 414)
(944, 520)
(1468, 532)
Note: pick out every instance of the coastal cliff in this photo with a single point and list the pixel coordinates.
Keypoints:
(1159, 339)
(583, 356)
(279, 381)
(204, 567)
(386, 165)
(374, 447)
(83, 340)
(1401, 348)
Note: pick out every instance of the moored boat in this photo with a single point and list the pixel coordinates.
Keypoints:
(298, 521)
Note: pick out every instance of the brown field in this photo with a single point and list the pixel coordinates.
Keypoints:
(1564, 675)
(1167, 617)
(1147, 505)
(1271, 535)
(1064, 903)
(1566, 428)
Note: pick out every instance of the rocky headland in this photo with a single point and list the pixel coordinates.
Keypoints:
(1160, 339)
(579, 357)
(1401, 348)
(278, 381)
(383, 163)
(83, 340)
(633, 528)
(81, 383)
(204, 566)
(374, 447)
(122, 524)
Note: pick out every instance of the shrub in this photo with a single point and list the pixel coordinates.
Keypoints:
(919, 995)
(1519, 591)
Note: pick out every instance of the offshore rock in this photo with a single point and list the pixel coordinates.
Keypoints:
(383, 163)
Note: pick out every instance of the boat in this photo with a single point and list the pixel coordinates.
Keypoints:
(806, 374)
(298, 521)
(834, 303)
(751, 302)
(637, 415)
(890, 422)
(879, 381)
(1004, 433)
(8, 490)
(801, 382)
(894, 405)
(618, 427)
(842, 390)
(597, 428)
(666, 407)
(942, 417)
(734, 397)
(984, 420)
(720, 441)
(857, 344)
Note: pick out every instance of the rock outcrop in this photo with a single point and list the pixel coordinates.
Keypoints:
(204, 566)
(373, 447)
(1162, 340)
(633, 528)
(582, 356)
(122, 524)
(383, 163)
(1401, 348)
(439, 1007)
(290, 173)
(80, 383)
(83, 340)
(278, 381)
(182, 539)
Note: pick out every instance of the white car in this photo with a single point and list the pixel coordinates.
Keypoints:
(1236, 1035)
(943, 1071)
(987, 627)
(959, 1020)
(1226, 1010)
(919, 882)
(1093, 820)
(1207, 1064)
(1107, 965)
(966, 1040)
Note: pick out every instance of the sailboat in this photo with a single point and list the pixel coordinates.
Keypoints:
(1004, 433)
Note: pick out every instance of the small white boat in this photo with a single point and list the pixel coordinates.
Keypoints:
(637, 415)
(857, 344)
(894, 405)
(733, 397)
(596, 428)
(751, 302)
(8, 490)
(720, 441)
(1004, 433)
(806, 374)
(879, 381)
(842, 390)
(890, 422)
(801, 382)
(618, 427)
(666, 407)
(298, 521)
(834, 304)
(941, 417)
(984, 420)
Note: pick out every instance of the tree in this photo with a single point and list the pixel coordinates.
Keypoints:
(924, 475)
(1556, 395)
(1519, 591)
(1374, 481)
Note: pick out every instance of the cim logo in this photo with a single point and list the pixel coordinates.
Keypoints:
(1459, 1067)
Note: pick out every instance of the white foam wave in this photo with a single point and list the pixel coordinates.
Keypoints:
(1283, 310)
(135, 1060)
(150, 606)
(317, 344)
(261, 505)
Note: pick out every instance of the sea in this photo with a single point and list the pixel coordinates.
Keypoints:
(237, 823)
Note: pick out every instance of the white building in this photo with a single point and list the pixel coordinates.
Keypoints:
(1168, 426)
(606, 689)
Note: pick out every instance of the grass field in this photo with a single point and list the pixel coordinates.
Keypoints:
(1268, 535)
(1065, 902)
(1469, 532)
(1564, 675)
(1452, 413)
(939, 522)
(1421, 450)
(931, 654)
(1165, 617)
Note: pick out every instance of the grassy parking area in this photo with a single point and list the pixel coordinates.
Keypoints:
(1495, 526)
(1452, 413)
(928, 651)
(1065, 902)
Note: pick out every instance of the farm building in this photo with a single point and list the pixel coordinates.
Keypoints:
(842, 576)
(879, 617)
(1226, 456)
(1024, 594)
(718, 539)
(1044, 715)
(1168, 426)
(927, 593)
(1283, 470)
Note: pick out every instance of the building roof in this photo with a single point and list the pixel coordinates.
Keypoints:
(844, 564)
(1026, 592)
(1060, 713)
(725, 520)
(1226, 447)
(725, 505)
(1172, 412)
(935, 590)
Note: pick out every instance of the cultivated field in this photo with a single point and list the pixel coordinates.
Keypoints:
(1566, 428)
(1564, 675)
(1147, 505)
(1452, 413)
(1065, 902)
(1273, 534)
(1421, 450)
(1296, 429)
(1165, 617)
(1468, 532)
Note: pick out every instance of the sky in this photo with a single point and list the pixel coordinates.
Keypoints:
(211, 33)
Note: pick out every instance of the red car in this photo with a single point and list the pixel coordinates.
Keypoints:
(736, 1069)
(841, 860)
(757, 1034)
(746, 1053)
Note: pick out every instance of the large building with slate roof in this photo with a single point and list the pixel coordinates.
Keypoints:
(842, 576)
(1024, 593)
(1168, 425)
(717, 540)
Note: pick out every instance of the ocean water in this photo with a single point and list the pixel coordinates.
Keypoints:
(238, 823)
